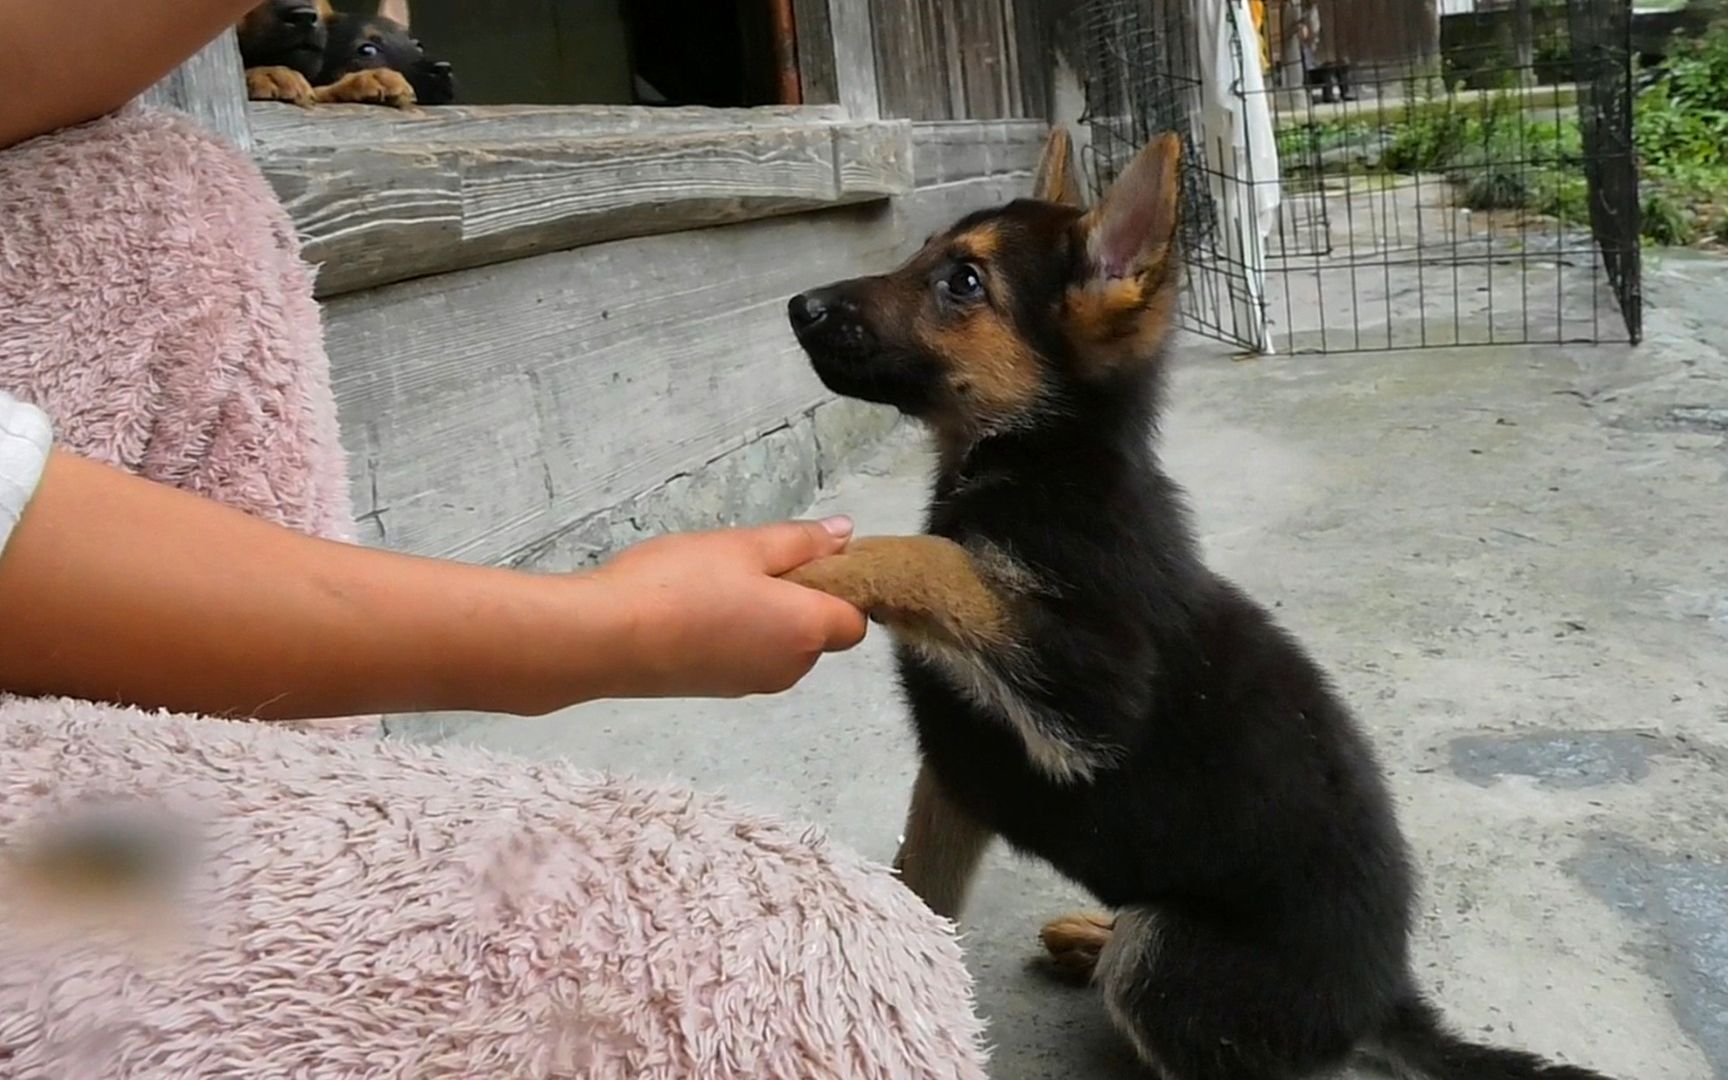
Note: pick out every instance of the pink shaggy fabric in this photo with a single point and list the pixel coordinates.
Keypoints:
(373, 909)
(154, 303)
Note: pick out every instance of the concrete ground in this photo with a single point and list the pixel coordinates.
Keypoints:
(1515, 562)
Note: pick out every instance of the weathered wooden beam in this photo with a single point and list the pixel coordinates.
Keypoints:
(278, 127)
(211, 88)
(396, 211)
(854, 44)
(947, 151)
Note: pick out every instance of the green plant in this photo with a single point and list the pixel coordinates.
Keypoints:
(1668, 222)
(1427, 142)
(1682, 119)
(1493, 188)
(1563, 195)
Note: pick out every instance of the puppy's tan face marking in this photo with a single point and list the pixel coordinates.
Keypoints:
(993, 376)
(1014, 315)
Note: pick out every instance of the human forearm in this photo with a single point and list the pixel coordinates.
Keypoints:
(117, 589)
(70, 61)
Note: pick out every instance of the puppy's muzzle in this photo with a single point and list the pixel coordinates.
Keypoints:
(828, 321)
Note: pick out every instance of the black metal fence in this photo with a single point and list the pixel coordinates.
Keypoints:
(1483, 191)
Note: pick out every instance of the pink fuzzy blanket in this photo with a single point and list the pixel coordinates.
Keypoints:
(333, 908)
(153, 302)
(186, 898)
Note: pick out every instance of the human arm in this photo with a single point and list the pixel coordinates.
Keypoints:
(74, 60)
(117, 589)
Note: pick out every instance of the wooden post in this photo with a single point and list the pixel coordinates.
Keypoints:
(837, 55)
(211, 88)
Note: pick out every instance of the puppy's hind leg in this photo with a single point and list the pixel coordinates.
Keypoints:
(1199, 1003)
(942, 848)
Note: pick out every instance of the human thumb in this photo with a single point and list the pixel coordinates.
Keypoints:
(789, 545)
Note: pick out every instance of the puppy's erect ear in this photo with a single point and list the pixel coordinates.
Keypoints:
(1121, 307)
(1132, 230)
(395, 10)
(1055, 180)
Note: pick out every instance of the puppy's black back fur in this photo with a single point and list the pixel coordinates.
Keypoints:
(1244, 804)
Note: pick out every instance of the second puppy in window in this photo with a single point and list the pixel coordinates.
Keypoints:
(373, 58)
(304, 52)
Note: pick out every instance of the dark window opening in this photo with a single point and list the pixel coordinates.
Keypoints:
(606, 52)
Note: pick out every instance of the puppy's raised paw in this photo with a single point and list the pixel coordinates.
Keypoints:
(1074, 942)
(374, 86)
(278, 84)
(918, 585)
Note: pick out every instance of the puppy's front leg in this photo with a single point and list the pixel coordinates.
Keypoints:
(927, 589)
(930, 591)
(942, 848)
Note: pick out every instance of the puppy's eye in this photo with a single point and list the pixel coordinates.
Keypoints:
(368, 49)
(964, 282)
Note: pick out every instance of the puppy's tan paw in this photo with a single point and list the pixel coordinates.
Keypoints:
(278, 84)
(918, 585)
(842, 576)
(1074, 942)
(374, 86)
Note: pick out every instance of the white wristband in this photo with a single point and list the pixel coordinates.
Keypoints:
(25, 436)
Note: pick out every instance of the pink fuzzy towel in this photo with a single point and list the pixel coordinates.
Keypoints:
(325, 908)
(154, 303)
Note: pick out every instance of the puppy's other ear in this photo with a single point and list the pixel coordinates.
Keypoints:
(1055, 179)
(1132, 230)
(395, 10)
(1121, 308)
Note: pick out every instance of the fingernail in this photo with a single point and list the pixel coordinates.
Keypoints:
(838, 526)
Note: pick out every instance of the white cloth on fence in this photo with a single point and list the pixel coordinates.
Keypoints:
(1238, 141)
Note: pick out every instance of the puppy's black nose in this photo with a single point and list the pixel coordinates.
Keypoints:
(301, 16)
(442, 67)
(808, 309)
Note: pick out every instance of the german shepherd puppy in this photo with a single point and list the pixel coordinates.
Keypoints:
(304, 52)
(1083, 686)
(371, 48)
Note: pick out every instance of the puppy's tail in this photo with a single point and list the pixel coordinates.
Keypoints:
(1417, 1043)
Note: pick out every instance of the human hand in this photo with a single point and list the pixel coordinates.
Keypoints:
(710, 616)
(185, 604)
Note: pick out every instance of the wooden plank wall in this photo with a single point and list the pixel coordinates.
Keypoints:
(489, 414)
(958, 59)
